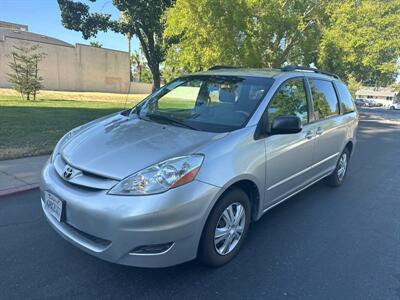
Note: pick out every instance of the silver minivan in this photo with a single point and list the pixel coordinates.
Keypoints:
(183, 173)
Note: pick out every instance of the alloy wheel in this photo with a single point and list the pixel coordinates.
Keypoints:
(342, 166)
(229, 229)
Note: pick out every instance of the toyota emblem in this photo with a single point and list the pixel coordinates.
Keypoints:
(68, 172)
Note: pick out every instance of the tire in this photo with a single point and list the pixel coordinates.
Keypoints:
(392, 107)
(337, 177)
(212, 253)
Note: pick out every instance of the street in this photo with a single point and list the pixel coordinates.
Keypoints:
(323, 243)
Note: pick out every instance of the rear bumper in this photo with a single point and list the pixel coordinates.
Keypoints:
(110, 227)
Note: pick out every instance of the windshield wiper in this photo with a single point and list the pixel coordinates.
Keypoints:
(170, 120)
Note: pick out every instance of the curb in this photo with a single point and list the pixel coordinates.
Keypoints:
(19, 189)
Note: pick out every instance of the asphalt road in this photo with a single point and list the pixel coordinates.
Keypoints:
(324, 243)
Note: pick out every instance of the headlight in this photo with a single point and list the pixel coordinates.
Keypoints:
(160, 177)
(62, 142)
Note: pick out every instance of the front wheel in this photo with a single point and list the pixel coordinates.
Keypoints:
(226, 229)
(337, 177)
(392, 107)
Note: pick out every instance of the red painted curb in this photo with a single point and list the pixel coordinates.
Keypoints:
(20, 189)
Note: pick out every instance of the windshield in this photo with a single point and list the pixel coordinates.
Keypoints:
(206, 102)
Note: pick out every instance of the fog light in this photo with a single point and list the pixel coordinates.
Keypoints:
(152, 249)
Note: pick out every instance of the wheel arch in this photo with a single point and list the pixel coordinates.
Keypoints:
(350, 146)
(253, 190)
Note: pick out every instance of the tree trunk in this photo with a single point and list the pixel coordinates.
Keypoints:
(130, 63)
(36, 76)
(139, 72)
(151, 56)
(15, 68)
(155, 71)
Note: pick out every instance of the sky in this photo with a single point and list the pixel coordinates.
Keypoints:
(44, 17)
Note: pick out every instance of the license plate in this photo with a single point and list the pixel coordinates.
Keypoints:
(53, 205)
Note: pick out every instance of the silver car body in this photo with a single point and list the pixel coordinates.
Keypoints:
(105, 151)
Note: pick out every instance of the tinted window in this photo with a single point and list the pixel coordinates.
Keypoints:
(324, 99)
(346, 99)
(290, 100)
(206, 102)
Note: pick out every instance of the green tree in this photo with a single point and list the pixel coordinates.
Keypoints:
(146, 75)
(362, 40)
(396, 86)
(265, 33)
(24, 63)
(141, 18)
(95, 44)
(357, 39)
(138, 62)
(170, 72)
(141, 70)
(353, 85)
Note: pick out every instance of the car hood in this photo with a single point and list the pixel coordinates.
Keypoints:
(119, 146)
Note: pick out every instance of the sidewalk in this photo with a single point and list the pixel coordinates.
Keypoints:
(19, 175)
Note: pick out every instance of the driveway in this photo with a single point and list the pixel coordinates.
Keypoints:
(324, 243)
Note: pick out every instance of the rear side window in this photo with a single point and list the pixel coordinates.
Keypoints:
(346, 100)
(324, 99)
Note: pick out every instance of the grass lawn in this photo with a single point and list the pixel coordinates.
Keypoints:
(29, 128)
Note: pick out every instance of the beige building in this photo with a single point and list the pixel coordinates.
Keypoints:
(382, 95)
(67, 67)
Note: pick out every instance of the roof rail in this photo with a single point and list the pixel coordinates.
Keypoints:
(222, 67)
(290, 68)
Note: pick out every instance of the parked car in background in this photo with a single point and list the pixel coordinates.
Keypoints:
(375, 103)
(368, 103)
(371, 103)
(394, 105)
(360, 102)
(183, 173)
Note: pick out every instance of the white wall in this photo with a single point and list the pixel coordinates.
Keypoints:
(79, 68)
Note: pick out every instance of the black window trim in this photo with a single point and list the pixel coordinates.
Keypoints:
(260, 129)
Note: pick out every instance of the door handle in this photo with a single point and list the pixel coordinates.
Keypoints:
(319, 131)
(309, 135)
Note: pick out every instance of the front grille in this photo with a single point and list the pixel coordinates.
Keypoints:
(83, 178)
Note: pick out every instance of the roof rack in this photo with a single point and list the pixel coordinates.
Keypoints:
(222, 67)
(290, 68)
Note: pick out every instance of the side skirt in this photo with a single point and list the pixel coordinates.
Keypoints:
(296, 192)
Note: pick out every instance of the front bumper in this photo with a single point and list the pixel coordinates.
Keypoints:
(110, 227)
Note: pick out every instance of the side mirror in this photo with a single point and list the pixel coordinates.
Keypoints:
(286, 125)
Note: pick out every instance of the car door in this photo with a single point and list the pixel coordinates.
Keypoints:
(330, 125)
(289, 156)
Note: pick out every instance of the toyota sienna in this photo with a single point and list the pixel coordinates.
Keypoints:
(183, 173)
